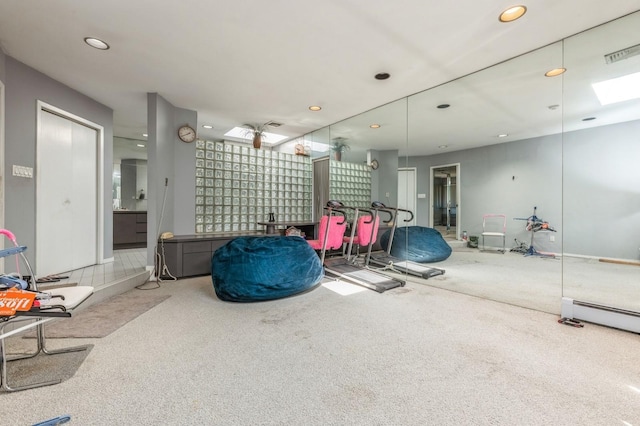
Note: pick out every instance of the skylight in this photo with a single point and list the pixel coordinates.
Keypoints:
(618, 89)
(244, 133)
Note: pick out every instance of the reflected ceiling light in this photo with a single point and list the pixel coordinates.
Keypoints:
(619, 89)
(512, 13)
(555, 72)
(96, 43)
(375, 126)
(315, 108)
(553, 107)
(382, 76)
(207, 126)
(145, 135)
(443, 146)
(443, 106)
(503, 135)
(588, 119)
(140, 145)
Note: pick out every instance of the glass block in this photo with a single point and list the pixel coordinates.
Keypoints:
(217, 227)
(228, 157)
(208, 219)
(236, 158)
(199, 229)
(199, 200)
(227, 210)
(228, 148)
(228, 165)
(199, 218)
(199, 209)
(208, 164)
(236, 167)
(200, 144)
(208, 210)
(200, 162)
(208, 182)
(208, 173)
(209, 155)
(208, 228)
(208, 200)
(199, 153)
(227, 227)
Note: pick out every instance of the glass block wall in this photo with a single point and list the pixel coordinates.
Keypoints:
(350, 183)
(238, 186)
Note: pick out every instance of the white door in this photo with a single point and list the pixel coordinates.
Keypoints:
(407, 195)
(67, 195)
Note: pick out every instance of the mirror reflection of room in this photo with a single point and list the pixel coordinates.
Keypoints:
(129, 193)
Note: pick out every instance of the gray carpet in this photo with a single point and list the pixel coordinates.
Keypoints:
(415, 355)
(104, 318)
(44, 368)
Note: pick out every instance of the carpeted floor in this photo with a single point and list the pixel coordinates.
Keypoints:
(44, 368)
(416, 355)
(104, 318)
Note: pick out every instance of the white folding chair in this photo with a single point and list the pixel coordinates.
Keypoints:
(494, 225)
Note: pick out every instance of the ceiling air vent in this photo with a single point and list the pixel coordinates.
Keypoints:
(622, 54)
(273, 124)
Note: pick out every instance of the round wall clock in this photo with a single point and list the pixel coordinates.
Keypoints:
(374, 164)
(187, 134)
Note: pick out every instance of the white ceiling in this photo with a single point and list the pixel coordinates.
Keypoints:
(254, 61)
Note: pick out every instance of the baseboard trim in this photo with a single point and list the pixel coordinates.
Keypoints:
(600, 314)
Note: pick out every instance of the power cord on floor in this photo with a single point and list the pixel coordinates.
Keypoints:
(160, 267)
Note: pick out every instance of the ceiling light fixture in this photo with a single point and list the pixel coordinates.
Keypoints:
(443, 146)
(555, 72)
(503, 135)
(315, 108)
(588, 119)
(207, 126)
(145, 135)
(443, 106)
(140, 145)
(382, 76)
(375, 126)
(96, 43)
(512, 13)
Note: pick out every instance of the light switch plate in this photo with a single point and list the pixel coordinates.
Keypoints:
(23, 171)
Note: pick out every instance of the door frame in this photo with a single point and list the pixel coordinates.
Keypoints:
(3, 177)
(45, 107)
(415, 188)
(432, 171)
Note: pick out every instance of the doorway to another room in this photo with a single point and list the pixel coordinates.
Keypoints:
(445, 200)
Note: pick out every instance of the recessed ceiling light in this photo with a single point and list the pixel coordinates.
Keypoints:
(375, 126)
(443, 106)
(588, 119)
(382, 76)
(315, 108)
(553, 107)
(443, 146)
(503, 135)
(140, 145)
(96, 43)
(512, 13)
(145, 135)
(555, 72)
(207, 126)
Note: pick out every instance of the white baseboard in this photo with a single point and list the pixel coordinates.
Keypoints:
(600, 314)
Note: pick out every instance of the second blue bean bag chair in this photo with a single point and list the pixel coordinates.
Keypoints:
(417, 244)
(251, 269)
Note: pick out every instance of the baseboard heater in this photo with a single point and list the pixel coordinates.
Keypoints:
(600, 314)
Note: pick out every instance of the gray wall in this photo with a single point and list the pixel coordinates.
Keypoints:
(24, 86)
(584, 183)
(509, 178)
(601, 197)
(170, 160)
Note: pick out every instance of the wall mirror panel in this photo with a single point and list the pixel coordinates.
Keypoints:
(601, 177)
(493, 140)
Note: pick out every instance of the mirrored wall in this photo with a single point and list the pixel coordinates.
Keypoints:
(540, 150)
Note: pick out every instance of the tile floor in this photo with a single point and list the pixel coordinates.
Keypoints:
(127, 263)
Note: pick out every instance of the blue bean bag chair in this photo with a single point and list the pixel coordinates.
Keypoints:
(417, 244)
(251, 269)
